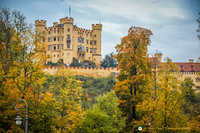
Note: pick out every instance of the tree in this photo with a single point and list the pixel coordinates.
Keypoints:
(75, 63)
(163, 108)
(93, 87)
(109, 61)
(88, 63)
(59, 63)
(105, 116)
(21, 67)
(191, 104)
(67, 92)
(135, 71)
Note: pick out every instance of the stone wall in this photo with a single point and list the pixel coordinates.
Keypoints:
(96, 73)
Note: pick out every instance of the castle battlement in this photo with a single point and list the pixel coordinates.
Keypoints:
(101, 72)
(96, 26)
(40, 23)
(66, 20)
(82, 30)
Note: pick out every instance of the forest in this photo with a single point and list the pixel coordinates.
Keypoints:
(137, 96)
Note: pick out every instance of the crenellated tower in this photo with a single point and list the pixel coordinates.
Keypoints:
(97, 28)
(40, 25)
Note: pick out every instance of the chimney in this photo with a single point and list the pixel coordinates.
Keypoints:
(191, 60)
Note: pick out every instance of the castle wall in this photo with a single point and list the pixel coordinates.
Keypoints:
(99, 73)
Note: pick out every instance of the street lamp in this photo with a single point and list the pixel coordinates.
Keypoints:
(18, 118)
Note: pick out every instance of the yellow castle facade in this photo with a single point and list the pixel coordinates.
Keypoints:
(65, 41)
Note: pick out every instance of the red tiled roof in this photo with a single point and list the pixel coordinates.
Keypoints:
(188, 67)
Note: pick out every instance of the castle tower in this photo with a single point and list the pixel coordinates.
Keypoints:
(40, 25)
(68, 54)
(97, 28)
(159, 57)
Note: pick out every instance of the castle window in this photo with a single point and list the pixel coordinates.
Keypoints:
(54, 30)
(43, 32)
(87, 35)
(90, 50)
(89, 58)
(49, 32)
(192, 68)
(49, 47)
(58, 55)
(54, 55)
(62, 38)
(68, 44)
(95, 35)
(182, 68)
(87, 41)
(87, 49)
(80, 48)
(58, 31)
(62, 46)
(68, 30)
(80, 40)
(90, 42)
(198, 79)
(54, 47)
(58, 38)
(43, 39)
(49, 39)
(95, 50)
(68, 36)
(58, 46)
(54, 38)
(95, 42)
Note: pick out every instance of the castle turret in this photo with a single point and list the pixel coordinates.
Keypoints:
(40, 25)
(159, 57)
(66, 20)
(68, 42)
(97, 28)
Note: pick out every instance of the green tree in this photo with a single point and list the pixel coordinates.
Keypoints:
(109, 61)
(75, 63)
(88, 63)
(135, 71)
(93, 87)
(105, 116)
(163, 108)
(191, 106)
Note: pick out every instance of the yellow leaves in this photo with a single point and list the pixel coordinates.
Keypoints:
(194, 124)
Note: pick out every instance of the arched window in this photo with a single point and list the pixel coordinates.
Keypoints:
(80, 48)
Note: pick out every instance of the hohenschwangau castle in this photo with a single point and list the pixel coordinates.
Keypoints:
(65, 41)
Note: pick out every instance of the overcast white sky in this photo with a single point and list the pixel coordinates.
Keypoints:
(173, 22)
